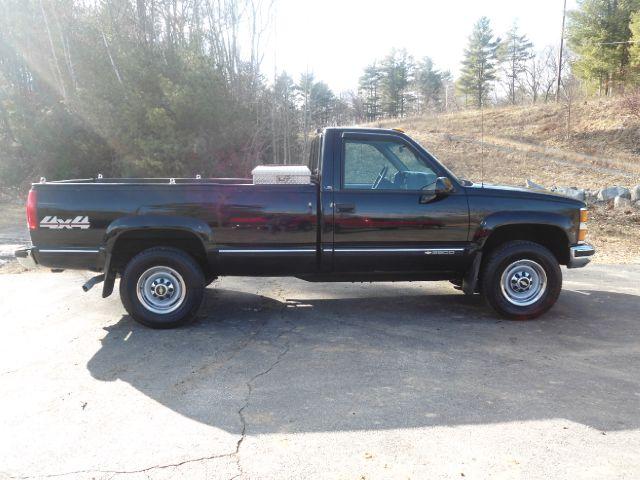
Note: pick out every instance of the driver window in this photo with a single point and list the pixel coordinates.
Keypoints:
(363, 163)
(384, 165)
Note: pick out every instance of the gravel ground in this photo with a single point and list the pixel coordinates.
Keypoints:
(13, 233)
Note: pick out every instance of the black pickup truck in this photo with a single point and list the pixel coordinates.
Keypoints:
(376, 207)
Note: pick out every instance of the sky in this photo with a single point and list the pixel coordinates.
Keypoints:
(336, 39)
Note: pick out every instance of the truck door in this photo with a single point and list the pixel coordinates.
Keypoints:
(387, 216)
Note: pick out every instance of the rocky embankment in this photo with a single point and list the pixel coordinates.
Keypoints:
(619, 197)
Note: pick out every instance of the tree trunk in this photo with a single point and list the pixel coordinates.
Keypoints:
(60, 79)
(113, 64)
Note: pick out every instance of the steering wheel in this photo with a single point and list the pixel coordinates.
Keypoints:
(381, 175)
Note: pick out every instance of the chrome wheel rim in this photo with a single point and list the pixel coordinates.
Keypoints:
(161, 290)
(523, 283)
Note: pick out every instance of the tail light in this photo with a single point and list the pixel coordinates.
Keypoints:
(32, 210)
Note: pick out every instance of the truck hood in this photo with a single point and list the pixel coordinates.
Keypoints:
(522, 192)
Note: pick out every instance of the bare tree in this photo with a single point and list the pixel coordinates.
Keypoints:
(540, 75)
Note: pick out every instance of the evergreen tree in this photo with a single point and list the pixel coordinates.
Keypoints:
(321, 103)
(478, 66)
(515, 52)
(429, 85)
(599, 34)
(397, 68)
(370, 87)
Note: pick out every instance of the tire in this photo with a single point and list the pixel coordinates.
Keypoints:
(162, 287)
(521, 280)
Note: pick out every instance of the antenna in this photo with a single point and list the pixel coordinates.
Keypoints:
(481, 141)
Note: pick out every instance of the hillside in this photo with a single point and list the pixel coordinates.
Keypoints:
(530, 142)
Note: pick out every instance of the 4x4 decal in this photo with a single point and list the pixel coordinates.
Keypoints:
(55, 223)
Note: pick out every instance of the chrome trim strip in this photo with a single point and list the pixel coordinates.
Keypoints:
(272, 250)
(346, 250)
(399, 250)
(69, 250)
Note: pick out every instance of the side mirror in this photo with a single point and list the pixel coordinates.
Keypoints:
(443, 186)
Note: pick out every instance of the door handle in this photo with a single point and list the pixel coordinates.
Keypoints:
(345, 207)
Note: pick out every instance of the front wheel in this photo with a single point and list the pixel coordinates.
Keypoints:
(162, 287)
(521, 280)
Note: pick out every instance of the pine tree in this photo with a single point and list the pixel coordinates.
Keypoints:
(429, 84)
(321, 102)
(515, 51)
(398, 70)
(370, 87)
(478, 66)
(599, 34)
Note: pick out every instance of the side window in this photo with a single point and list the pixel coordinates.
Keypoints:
(384, 165)
(363, 163)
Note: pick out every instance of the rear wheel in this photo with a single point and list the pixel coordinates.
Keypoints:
(521, 280)
(162, 287)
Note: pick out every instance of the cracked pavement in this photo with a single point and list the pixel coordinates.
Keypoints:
(279, 378)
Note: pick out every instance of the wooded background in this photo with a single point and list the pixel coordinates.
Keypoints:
(175, 87)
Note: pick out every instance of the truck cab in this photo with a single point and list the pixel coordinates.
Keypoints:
(390, 207)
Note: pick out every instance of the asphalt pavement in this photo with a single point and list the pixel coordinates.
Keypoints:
(279, 378)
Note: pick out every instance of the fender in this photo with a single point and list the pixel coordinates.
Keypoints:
(501, 219)
(148, 223)
(156, 222)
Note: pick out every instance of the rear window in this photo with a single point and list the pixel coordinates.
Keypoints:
(314, 156)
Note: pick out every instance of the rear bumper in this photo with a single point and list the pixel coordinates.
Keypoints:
(580, 255)
(71, 258)
(26, 258)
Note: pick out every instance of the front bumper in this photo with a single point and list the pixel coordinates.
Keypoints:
(26, 258)
(580, 255)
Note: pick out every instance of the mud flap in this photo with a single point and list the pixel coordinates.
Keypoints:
(470, 280)
(109, 278)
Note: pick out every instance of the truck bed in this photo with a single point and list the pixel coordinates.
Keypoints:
(83, 216)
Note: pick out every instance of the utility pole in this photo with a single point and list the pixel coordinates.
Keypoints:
(564, 15)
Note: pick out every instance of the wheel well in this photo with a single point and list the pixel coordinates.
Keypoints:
(549, 236)
(129, 244)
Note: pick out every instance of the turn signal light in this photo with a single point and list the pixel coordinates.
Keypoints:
(584, 215)
(32, 210)
(582, 231)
